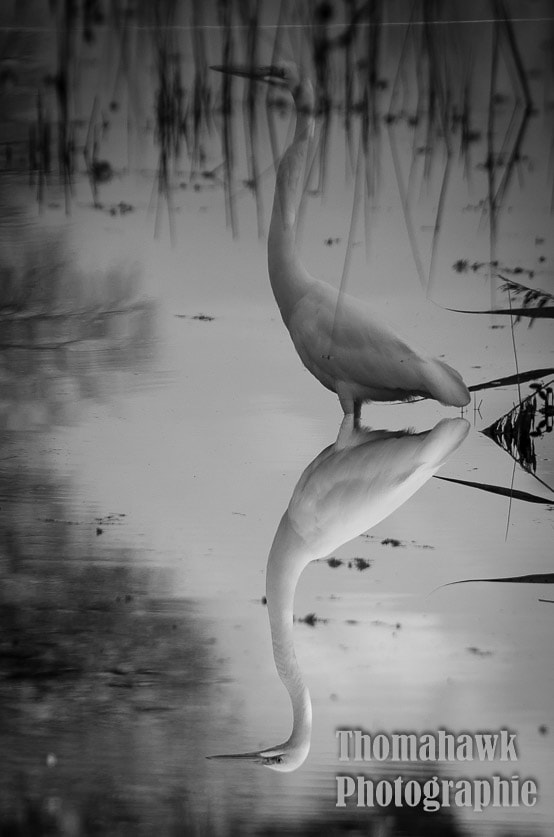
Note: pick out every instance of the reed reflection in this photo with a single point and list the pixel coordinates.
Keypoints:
(349, 487)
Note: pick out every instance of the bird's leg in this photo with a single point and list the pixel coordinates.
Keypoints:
(351, 418)
(347, 431)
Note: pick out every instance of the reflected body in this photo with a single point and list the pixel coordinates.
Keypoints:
(346, 490)
(338, 338)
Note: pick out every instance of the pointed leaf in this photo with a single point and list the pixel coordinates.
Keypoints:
(521, 378)
(547, 313)
(504, 492)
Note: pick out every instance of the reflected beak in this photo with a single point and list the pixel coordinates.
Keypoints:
(255, 757)
(268, 758)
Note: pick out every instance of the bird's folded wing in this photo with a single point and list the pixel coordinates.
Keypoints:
(347, 342)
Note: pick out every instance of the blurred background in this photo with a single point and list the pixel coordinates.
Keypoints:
(155, 419)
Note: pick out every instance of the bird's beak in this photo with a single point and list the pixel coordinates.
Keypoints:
(269, 74)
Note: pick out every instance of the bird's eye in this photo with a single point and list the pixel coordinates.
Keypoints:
(278, 760)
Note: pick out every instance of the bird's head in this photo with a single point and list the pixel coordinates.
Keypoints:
(283, 74)
(284, 757)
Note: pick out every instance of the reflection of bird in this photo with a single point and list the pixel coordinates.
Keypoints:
(343, 492)
(339, 340)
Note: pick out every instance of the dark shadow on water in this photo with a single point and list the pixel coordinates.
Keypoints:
(104, 678)
(101, 675)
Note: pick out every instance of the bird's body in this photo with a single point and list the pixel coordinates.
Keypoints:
(364, 476)
(353, 353)
(347, 489)
(348, 348)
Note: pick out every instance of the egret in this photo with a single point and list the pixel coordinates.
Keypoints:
(338, 338)
(347, 489)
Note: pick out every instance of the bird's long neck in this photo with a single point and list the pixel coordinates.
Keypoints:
(287, 558)
(288, 278)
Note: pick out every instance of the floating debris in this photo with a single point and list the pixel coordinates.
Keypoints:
(359, 563)
(311, 619)
(59, 520)
(121, 208)
(126, 598)
(395, 542)
(464, 266)
(108, 520)
(204, 318)
(380, 623)
(101, 171)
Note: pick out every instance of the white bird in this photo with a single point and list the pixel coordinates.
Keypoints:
(339, 340)
(346, 490)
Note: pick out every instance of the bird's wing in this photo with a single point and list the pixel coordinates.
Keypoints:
(349, 343)
(346, 491)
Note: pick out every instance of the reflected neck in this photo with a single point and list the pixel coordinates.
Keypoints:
(287, 559)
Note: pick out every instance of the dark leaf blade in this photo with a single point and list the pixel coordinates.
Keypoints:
(520, 378)
(532, 578)
(545, 313)
(504, 492)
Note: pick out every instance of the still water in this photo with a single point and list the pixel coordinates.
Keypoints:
(157, 425)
